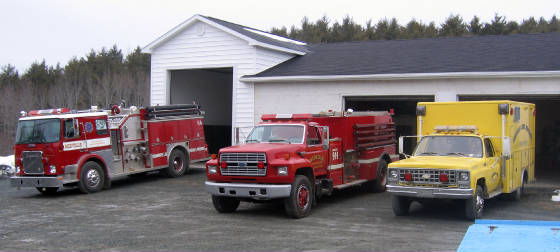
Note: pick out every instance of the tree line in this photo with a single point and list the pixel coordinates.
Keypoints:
(100, 78)
(107, 76)
(324, 31)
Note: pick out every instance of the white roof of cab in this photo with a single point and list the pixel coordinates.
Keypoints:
(64, 116)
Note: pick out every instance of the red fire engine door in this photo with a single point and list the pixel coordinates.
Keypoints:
(316, 154)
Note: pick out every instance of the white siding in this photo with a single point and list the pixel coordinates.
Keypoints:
(313, 97)
(202, 45)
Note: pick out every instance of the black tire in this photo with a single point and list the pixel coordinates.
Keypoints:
(92, 178)
(474, 207)
(518, 194)
(225, 204)
(380, 184)
(178, 164)
(401, 205)
(298, 205)
(47, 190)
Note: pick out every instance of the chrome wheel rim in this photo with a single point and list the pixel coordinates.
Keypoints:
(303, 197)
(93, 178)
(479, 204)
(178, 163)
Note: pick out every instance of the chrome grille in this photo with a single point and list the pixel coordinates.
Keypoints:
(428, 176)
(32, 162)
(243, 164)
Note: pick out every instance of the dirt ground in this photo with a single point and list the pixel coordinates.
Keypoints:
(157, 213)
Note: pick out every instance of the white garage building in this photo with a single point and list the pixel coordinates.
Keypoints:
(238, 73)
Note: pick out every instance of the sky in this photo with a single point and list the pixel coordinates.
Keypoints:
(57, 30)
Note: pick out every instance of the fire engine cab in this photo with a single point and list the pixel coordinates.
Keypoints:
(300, 157)
(87, 149)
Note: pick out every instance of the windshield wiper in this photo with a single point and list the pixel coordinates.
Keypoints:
(252, 140)
(456, 154)
(278, 140)
(429, 153)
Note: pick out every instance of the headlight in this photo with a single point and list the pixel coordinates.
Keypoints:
(282, 171)
(17, 169)
(53, 169)
(212, 169)
(393, 176)
(464, 176)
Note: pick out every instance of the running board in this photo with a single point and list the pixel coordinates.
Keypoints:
(353, 183)
(495, 193)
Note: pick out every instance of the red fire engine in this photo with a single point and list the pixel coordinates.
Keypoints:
(59, 147)
(300, 157)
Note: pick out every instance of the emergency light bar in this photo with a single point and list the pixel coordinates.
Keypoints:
(268, 117)
(49, 111)
(452, 128)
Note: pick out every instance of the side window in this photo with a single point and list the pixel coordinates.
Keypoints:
(313, 136)
(489, 148)
(101, 127)
(70, 129)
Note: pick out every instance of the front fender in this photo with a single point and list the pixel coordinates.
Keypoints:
(89, 157)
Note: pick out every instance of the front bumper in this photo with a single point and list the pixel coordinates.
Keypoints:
(427, 192)
(254, 191)
(36, 181)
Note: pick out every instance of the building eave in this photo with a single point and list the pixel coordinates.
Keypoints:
(173, 32)
(405, 76)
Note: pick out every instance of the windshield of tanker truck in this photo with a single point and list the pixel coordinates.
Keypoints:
(464, 146)
(38, 131)
(276, 134)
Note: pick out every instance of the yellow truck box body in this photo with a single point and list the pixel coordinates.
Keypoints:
(467, 150)
(519, 128)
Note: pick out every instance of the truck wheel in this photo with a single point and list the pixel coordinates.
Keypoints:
(225, 204)
(47, 190)
(380, 183)
(178, 164)
(519, 192)
(92, 178)
(475, 205)
(401, 205)
(298, 205)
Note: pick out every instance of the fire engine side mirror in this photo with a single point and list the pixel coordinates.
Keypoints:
(401, 145)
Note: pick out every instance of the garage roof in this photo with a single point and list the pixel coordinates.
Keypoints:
(476, 55)
(253, 36)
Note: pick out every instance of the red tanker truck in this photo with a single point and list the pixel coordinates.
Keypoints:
(298, 158)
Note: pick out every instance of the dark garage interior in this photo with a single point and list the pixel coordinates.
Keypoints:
(547, 140)
(212, 90)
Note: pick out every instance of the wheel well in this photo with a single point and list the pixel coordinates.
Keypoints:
(386, 158)
(308, 172)
(482, 183)
(99, 162)
(181, 148)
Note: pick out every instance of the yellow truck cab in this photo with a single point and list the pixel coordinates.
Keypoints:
(466, 150)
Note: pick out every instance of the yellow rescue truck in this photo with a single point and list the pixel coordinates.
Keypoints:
(470, 151)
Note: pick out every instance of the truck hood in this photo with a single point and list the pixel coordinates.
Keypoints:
(438, 162)
(269, 148)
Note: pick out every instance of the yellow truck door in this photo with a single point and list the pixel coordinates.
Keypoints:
(493, 163)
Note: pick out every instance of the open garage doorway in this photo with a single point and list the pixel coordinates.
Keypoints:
(212, 89)
(547, 139)
(404, 107)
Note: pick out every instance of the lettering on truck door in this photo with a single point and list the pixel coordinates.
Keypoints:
(315, 153)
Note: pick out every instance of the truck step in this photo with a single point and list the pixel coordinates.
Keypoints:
(353, 183)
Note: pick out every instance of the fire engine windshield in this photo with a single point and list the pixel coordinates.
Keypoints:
(38, 131)
(271, 133)
(464, 146)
